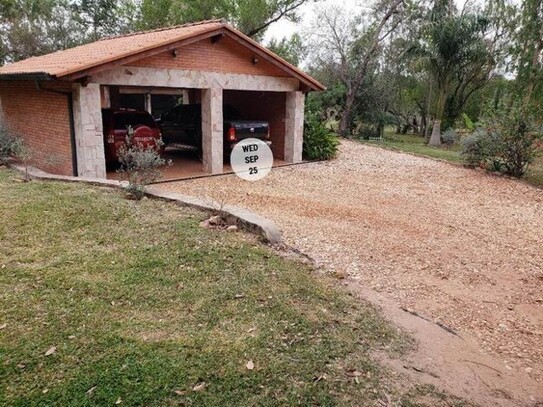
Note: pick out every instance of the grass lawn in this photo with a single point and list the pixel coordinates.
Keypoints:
(417, 145)
(105, 301)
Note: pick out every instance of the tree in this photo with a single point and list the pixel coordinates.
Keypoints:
(99, 18)
(290, 49)
(526, 50)
(349, 46)
(453, 50)
(30, 27)
(252, 17)
(36, 27)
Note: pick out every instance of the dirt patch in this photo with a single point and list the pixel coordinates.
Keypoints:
(454, 245)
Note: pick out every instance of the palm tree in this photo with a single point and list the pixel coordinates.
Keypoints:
(449, 43)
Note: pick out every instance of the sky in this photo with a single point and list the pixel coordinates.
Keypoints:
(285, 28)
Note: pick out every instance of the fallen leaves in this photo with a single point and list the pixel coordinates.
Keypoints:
(354, 373)
(199, 386)
(321, 377)
(51, 350)
(3, 326)
(90, 391)
(250, 365)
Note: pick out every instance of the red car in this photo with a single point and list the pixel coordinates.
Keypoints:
(116, 122)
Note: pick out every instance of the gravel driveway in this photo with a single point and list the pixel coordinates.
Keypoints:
(455, 245)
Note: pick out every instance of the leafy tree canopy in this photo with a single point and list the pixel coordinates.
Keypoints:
(35, 27)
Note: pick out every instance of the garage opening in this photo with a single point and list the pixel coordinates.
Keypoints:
(123, 106)
(178, 116)
(262, 106)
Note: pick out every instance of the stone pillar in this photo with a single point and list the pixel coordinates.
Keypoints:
(294, 126)
(212, 132)
(89, 138)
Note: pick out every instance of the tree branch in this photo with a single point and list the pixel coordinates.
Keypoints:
(279, 16)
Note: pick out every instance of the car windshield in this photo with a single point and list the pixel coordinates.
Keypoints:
(124, 119)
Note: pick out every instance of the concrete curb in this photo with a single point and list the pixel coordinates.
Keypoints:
(246, 219)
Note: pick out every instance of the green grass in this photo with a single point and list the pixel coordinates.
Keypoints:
(142, 305)
(415, 144)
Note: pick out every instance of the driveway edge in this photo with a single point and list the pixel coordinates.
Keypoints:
(246, 219)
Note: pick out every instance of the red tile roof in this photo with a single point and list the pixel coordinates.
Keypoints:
(108, 50)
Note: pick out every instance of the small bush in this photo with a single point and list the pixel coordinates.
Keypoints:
(518, 148)
(479, 146)
(140, 165)
(468, 123)
(10, 145)
(505, 144)
(449, 137)
(320, 143)
(368, 132)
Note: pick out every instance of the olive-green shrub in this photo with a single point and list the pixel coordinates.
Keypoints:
(504, 143)
(320, 143)
(10, 145)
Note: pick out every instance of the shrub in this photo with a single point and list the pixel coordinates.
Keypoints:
(517, 146)
(10, 145)
(449, 137)
(368, 132)
(479, 146)
(140, 165)
(468, 123)
(320, 143)
(505, 144)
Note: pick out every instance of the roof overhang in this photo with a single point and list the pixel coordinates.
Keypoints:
(307, 82)
(27, 76)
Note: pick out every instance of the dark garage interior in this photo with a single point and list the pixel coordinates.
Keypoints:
(186, 163)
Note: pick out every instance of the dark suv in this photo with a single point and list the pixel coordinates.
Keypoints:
(116, 123)
(183, 126)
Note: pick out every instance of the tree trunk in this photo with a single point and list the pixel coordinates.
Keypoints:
(435, 139)
(344, 123)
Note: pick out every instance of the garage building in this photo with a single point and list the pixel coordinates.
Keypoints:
(53, 102)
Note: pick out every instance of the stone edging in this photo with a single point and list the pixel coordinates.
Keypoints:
(246, 219)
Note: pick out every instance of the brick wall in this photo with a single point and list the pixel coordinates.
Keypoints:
(269, 106)
(223, 56)
(41, 119)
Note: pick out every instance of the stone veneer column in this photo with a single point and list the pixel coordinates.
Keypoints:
(294, 126)
(89, 138)
(212, 131)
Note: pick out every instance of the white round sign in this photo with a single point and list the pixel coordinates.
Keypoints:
(251, 159)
